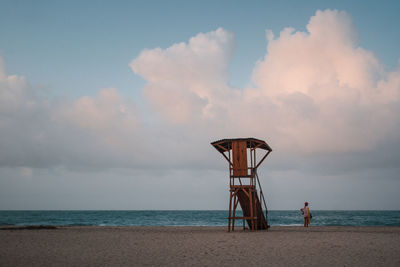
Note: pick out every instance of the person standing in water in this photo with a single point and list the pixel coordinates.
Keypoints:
(306, 214)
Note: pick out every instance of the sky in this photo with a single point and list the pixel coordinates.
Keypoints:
(113, 104)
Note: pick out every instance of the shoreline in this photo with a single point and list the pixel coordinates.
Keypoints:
(239, 227)
(201, 245)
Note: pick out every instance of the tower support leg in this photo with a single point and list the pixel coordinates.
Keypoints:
(230, 210)
(235, 203)
(251, 209)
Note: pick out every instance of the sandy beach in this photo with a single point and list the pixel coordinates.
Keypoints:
(206, 246)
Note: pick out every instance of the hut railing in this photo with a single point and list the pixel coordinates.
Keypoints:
(249, 172)
(261, 194)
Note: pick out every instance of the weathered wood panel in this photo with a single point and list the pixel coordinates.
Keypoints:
(239, 154)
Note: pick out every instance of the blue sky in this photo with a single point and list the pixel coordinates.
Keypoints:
(100, 99)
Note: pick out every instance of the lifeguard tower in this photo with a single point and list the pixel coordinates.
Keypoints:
(243, 180)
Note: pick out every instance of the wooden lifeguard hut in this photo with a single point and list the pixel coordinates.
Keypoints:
(244, 183)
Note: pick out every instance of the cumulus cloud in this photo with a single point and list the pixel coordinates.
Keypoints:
(106, 111)
(315, 91)
(330, 93)
(184, 80)
(22, 116)
(39, 131)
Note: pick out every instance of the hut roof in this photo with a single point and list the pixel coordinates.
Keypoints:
(226, 144)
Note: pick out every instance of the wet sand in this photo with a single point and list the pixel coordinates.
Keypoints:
(200, 246)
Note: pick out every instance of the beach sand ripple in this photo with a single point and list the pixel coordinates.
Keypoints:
(206, 246)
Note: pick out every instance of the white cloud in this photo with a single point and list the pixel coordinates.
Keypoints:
(107, 111)
(330, 94)
(46, 132)
(315, 92)
(184, 80)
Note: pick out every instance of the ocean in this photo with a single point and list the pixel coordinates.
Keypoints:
(194, 218)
